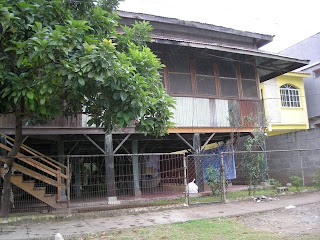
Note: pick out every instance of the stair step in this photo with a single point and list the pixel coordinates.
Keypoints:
(17, 174)
(28, 181)
(39, 188)
(49, 195)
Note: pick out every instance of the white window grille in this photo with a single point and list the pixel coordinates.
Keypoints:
(289, 96)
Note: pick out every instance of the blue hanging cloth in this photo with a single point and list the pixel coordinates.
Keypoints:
(213, 159)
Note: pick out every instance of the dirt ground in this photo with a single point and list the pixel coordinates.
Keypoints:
(299, 221)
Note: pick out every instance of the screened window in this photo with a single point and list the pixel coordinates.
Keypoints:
(289, 96)
(248, 80)
(205, 76)
(179, 74)
(228, 78)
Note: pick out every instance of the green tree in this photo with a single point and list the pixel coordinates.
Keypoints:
(254, 163)
(64, 57)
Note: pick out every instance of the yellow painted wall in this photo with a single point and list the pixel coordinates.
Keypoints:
(291, 118)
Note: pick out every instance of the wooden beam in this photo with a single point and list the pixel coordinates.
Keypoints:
(74, 146)
(206, 143)
(186, 142)
(94, 143)
(122, 142)
(25, 139)
(209, 130)
(124, 148)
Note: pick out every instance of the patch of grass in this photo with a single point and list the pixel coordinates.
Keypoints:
(211, 229)
(234, 195)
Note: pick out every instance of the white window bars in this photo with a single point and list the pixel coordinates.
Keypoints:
(290, 96)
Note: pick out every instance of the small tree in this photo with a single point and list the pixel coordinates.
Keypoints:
(66, 57)
(213, 179)
(296, 182)
(254, 163)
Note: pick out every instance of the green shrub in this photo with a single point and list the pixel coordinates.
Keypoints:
(296, 182)
(213, 179)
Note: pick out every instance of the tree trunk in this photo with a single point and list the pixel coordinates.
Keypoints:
(10, 160)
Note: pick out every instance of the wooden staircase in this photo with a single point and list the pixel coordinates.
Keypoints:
(42, 168)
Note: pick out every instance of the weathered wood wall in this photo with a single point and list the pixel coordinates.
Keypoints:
(202, 112)
(189, 112)
(59, 122)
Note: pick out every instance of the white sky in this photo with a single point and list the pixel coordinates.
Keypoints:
(289, 20)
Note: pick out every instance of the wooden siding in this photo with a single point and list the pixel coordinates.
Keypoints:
(59, 122)
(190, 112)
(202, 112)
(252, 111)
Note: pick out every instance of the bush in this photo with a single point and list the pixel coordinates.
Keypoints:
(316, 179)
(296, 182)
(213, 179)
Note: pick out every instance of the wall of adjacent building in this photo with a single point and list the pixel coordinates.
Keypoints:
(284, 119)
(282, 165)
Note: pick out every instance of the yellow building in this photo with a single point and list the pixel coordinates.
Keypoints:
(285, 103)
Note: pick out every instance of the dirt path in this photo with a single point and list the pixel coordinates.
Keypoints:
(299, 221)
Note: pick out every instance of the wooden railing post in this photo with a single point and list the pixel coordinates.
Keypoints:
(59, 184)
(223, 180)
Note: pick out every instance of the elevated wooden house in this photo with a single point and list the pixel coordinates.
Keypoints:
(212, 71)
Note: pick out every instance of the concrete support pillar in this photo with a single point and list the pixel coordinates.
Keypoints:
(110, 175)
(198, 162)
(135, 168)
(62, 160)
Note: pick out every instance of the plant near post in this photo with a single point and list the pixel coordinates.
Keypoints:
(296, 182)
(66, 58)
(213, 179)
(254, 163)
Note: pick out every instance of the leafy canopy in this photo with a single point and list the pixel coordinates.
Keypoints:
(65, 57)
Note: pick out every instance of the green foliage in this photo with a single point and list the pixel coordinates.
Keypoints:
(254, 163)
(316, 179)
(66, 57)
(213, 179)
(296, 182)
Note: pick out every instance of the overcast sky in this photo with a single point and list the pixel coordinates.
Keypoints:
(289, 20)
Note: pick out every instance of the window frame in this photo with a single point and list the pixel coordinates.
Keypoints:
(288, 91)
(214, 69)
(249, 79)
(217, 80)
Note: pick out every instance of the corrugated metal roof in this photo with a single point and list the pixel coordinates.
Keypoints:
(198, 44)
(263, 38)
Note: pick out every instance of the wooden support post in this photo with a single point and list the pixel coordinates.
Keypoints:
(135, 167)
(110, 175)
(223, 180)
(59, 188)
(198, 162)
(68, 173)
(77, 177)
(3, 141)
(185, 181)
(61, 160)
